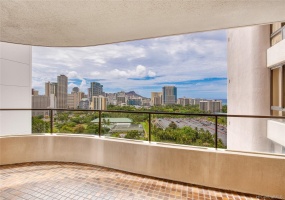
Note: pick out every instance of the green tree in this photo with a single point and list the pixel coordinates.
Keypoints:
(133, 135)
(172, 125)
(40, 126)
(79, 128)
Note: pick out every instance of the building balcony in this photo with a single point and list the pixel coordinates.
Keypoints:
(275, 54)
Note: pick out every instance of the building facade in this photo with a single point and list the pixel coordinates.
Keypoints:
(50, 88)
(249, 57)
(84, 104)
(96, 89)
(61, 94)
(156, 98)
(38, 102)
(169, 95)
(99, 103)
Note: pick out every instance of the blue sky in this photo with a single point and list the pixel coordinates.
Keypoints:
(195, 63)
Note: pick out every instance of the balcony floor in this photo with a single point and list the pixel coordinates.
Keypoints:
(52, 180)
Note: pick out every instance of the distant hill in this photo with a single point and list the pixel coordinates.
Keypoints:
(133, 94)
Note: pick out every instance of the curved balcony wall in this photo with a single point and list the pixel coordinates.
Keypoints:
(250, 173)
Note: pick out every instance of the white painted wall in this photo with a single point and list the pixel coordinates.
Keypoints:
(248, 88)
(15, 88)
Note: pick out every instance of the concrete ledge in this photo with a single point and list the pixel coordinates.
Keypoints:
(275, 131)
(276, 55)
(248, 173)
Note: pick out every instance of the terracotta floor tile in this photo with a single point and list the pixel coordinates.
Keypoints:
(54, 180)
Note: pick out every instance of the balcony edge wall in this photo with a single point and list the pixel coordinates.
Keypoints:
(249, 173)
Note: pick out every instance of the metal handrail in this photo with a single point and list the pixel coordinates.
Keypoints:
(142, 112)
(280, 30)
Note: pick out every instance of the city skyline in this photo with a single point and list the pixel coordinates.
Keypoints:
(189, 62)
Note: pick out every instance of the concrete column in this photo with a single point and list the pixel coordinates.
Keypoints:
(248, 88)
(15, 88)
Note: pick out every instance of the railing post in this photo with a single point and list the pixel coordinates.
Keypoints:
(51, 121)
(100, 112)
(149, 127)
(216, 131)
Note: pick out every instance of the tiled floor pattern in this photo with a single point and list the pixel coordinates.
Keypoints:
(53, 180)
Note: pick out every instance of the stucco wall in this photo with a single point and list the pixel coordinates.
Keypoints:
(15, 88)
(248, 88)
(251, 173)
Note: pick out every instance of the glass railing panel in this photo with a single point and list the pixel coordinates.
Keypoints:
(41, 122)
(184, 130)
(75, 122)
(132, 126)
(253, 134)
(222, 132)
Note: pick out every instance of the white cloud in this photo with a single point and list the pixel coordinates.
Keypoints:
(172, 59)
(139, 72)
(95, 73)
(151, 73)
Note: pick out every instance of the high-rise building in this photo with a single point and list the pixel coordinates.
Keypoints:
(121, 99)
(50, 88)
(75, 89)
(215, 106)
(169, 95)
(112, 98)
(61, 95)
(38, 102)
(74, 98)
(156, 98)
(96, 89)
(84, 104)
(99, 103)
(211, 106)
(204, 105)
(134, 101)
(184, 101)
(35, 92)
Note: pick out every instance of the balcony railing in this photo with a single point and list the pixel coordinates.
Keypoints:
(280, 30)
(155, 126)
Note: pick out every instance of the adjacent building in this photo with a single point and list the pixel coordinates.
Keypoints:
(134, 102)
(50, 88)
(96, 89)
(98, 103)
(84, 104)
(74, 98)
(38, 102)
(212, 106)
(169, 95)
(61, 94)
(256, 61)
(156, 98)
(184, 101)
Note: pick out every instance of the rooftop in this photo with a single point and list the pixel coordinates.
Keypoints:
(114, 120)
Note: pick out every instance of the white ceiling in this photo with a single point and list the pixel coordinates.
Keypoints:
(90, 22)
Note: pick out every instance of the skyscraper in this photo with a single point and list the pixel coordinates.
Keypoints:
(99, 103)
(62, 91)
(156, 98)
(50, 88)
(169, 95)
(96, 89)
